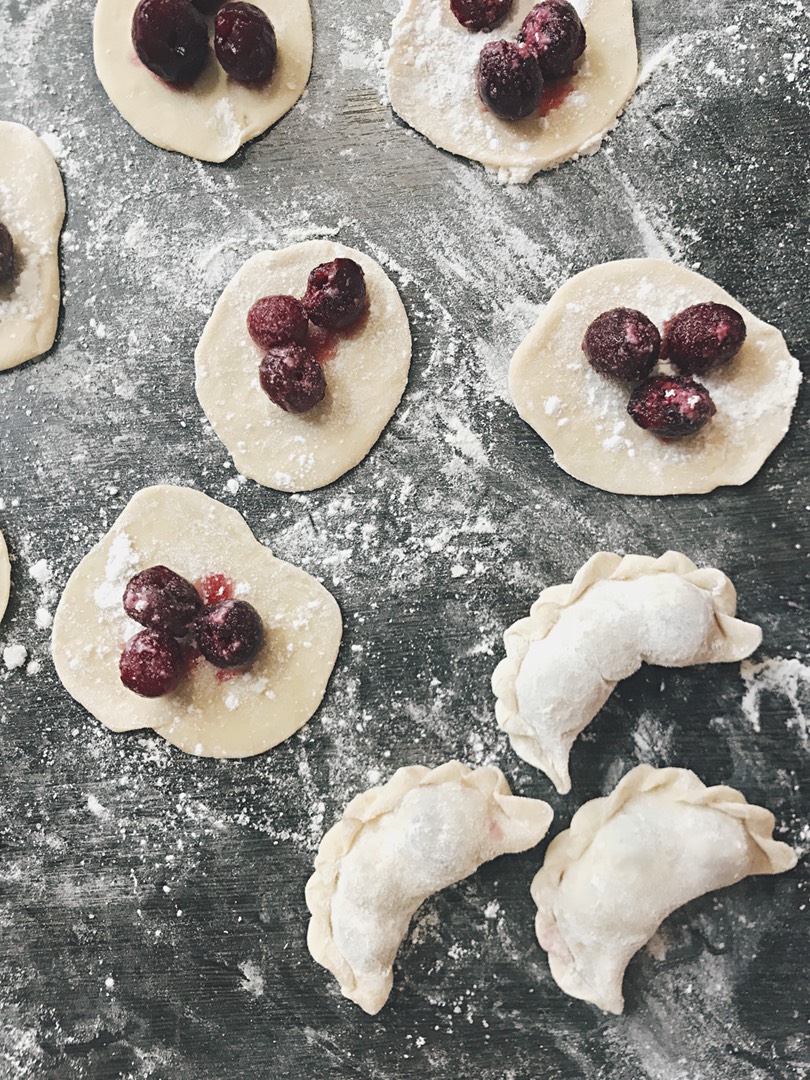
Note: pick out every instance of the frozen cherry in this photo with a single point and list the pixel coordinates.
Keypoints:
(703, 337)
(622, 343)
(151, 664)
(671, 408)
(555, 34)
(509, 80)
(171, 39)
(6, 255)
(208, 7)
(480, 14)
(245, 43)
(336, 294)
(292, 378)
(277, 320)
(230, 633)
(162, 600)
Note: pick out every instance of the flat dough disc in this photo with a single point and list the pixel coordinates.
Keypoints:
(365, 378)
(431, 68)
(212, 119)
(583, 415)
(32, 207)
(5, 576)
(206, 715)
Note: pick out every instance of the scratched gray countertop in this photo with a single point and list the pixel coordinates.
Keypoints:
(153, 922)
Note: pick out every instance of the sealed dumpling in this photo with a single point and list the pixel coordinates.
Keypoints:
(563, 662)
(393, 847)
(660, 839)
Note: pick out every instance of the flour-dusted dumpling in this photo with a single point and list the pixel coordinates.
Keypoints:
(32, 209)
(212, 712)
(393, 847)
(563, 662)
(583, 417)
(5, 576)
(431, 77)
(211, 119)
(365, 367)
(661, 839)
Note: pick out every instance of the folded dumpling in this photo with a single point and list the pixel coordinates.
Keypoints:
(660, 839)
(393, 847)
(563, 662)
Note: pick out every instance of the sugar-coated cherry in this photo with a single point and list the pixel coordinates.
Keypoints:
(292, 378)
(245, 43)
(336, 294)
(278, 320)
(671, 408)
(622, 343)
(151, 664)
(230, 633)
(6, 255)
(162, 600)
(481, 14)
(171, 39)
(509, 80)
(703, 337)
(553, 31)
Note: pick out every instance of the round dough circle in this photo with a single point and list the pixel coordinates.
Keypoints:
(215, 116)
(32, 207)
(365, 378)
(583, 416)
(207, 715)
(430, 71)
(5, 576)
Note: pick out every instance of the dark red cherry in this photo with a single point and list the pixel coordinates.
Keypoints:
(151, 664)
(671, 408)
(336, 294)
(555, 34)
(509, 80)
(208, 7)
(703, 337)
(162, 600)
(229, 634)
(171, 39)
(622, 343)
(480, 14)
(292, 378)
(278, 320)
(245, 43)
(6, 255)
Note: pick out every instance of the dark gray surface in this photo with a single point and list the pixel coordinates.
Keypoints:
(152, 921)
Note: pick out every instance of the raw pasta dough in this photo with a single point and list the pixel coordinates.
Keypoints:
(661, 839)
(564, 661)
(365, 378)
(215, 116)
(583, 416)
(211, 713)
(431, 83)
(32, 207)
(393, 847)
(5, 576)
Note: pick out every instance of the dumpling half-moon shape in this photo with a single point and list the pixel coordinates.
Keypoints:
(661, 839)
(393, 847)
(563, 662)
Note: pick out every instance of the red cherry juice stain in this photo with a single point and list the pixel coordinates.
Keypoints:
(323, 343)
(226, 674)
(554, 94)
(214, 588)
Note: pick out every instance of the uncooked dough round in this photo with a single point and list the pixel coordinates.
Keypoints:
(211, 713)
(5, 576)
(364, 379)
(431, 68)
(32, 207)
(213, 118)
(583, 416)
